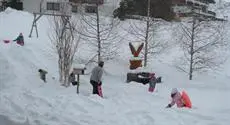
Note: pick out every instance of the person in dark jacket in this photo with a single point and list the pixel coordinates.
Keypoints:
(43, 74)
(20, 39)
(95, 78)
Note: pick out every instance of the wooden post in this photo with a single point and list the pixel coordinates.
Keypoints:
(36, 18)
(34, 24)
(78, 72)
(78, 83)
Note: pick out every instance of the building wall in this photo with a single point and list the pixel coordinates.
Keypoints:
(181, 9)
(105, 9)
(178, 1)
(31, 5)
(41, 6)
(64, 6)
(184, 7)
(108, 7)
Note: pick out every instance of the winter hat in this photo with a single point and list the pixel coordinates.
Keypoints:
(174, 91)
(20, 34)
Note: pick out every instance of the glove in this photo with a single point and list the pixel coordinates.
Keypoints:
(168, 106)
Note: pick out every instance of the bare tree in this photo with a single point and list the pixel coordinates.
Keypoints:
(200, 40)
(99, 32)
(66, 43)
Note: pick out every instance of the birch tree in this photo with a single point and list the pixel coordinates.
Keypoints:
(100, 33)
(201, 41)
(66, 42)
(147, 35)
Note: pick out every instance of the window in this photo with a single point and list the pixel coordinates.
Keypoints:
(189, 3)
(75, 1)
(74, 8)
(53, 6)
(91, 9)
(93, 1)
(204, 9)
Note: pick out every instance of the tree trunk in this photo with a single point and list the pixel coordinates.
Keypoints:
(60, 67)
(147, 35)
(98, 35)
(192, 49)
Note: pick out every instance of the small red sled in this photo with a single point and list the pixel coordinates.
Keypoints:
(20, 43)
(99, 91)
(6, 41)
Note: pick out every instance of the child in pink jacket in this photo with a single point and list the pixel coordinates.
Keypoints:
(152, 82)
(176, 99)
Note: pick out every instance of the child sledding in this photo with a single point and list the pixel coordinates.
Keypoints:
(181, 100)
(19, 40)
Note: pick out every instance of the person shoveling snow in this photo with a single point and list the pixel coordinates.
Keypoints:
(95, 78)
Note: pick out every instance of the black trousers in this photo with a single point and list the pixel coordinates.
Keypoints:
(95, 85)
(43, 77)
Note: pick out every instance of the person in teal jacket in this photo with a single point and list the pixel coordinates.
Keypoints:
(20, 39)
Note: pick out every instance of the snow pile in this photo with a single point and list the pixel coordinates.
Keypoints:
(23, 96)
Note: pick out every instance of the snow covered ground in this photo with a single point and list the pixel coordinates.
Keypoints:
(24, 98)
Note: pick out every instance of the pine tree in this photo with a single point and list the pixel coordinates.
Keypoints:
(16, 4)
